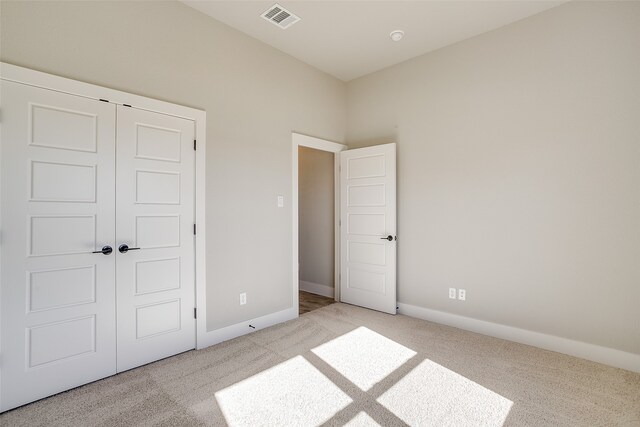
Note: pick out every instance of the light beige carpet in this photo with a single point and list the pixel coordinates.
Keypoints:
(344, 365)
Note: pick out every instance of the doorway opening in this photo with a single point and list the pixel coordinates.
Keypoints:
(365, 239)
(315, 217)
(316, 243)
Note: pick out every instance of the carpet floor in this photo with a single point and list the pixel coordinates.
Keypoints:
(344, 365)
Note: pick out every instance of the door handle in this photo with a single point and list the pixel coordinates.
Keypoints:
(106, 250)
(124, 248)
(389, 238)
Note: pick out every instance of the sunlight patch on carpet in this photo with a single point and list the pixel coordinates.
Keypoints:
(433, 395)
(362, 420)
(363, 356)
(291, 393)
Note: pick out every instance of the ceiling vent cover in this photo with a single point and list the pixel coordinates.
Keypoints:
(280, 16)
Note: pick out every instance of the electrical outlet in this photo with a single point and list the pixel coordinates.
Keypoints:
(243, 298)
(462, 294)
(452, 293)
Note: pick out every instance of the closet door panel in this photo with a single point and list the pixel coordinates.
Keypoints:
(155, 200)
(57, 194)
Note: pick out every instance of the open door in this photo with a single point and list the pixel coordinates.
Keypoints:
(368, 227)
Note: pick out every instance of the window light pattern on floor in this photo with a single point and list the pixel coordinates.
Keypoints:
(293, 393)
(296, 393)
(363, 356)
(362, 420)
(432, 395)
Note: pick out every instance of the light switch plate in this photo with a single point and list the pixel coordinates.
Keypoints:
(280, 201)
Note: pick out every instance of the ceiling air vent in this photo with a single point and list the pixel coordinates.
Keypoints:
(280, 16)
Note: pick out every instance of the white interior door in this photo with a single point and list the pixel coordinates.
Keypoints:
(155, 200)
(57, 297)
(368, 227)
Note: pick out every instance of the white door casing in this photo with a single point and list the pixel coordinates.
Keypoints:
(300, 140)
(57, 297)
(368, 218)
(155, 200)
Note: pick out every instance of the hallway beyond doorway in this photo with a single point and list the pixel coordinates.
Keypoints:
(310, 302)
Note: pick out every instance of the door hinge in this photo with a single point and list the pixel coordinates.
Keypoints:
(194, 229)
(195, 313)
(195, 143)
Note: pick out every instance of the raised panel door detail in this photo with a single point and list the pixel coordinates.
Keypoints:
(157, 231)
(155, 200)
(366, 224)
(157, 275)
(367, 253)
(157, 143)
(366, 167)
(366, 280)
(156, 319)
(62, 340)
(368, 216)
(366, 195)
(154, 187)
(58, 299)
(61, 235)
(57, 127)
(62, 287)
(62, 182)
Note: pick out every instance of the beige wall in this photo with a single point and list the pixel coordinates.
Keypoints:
(316, 215)
(254, 95)
(519, 172)
(518, 153)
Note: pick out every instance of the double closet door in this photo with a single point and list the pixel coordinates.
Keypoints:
(97, 255)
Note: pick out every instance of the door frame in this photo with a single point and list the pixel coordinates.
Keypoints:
(300, 140)
(199, 117)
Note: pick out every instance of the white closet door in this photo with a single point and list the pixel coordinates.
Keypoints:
(155, 201)
(368, 227)
(57, 297)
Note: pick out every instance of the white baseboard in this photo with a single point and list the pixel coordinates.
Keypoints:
(596, 353)
(223, 334)
(316, 288)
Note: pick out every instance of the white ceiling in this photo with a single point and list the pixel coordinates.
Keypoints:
(349, 39)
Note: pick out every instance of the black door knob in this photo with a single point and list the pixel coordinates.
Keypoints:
(106, 250)
(389, 238)
(124, 248)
